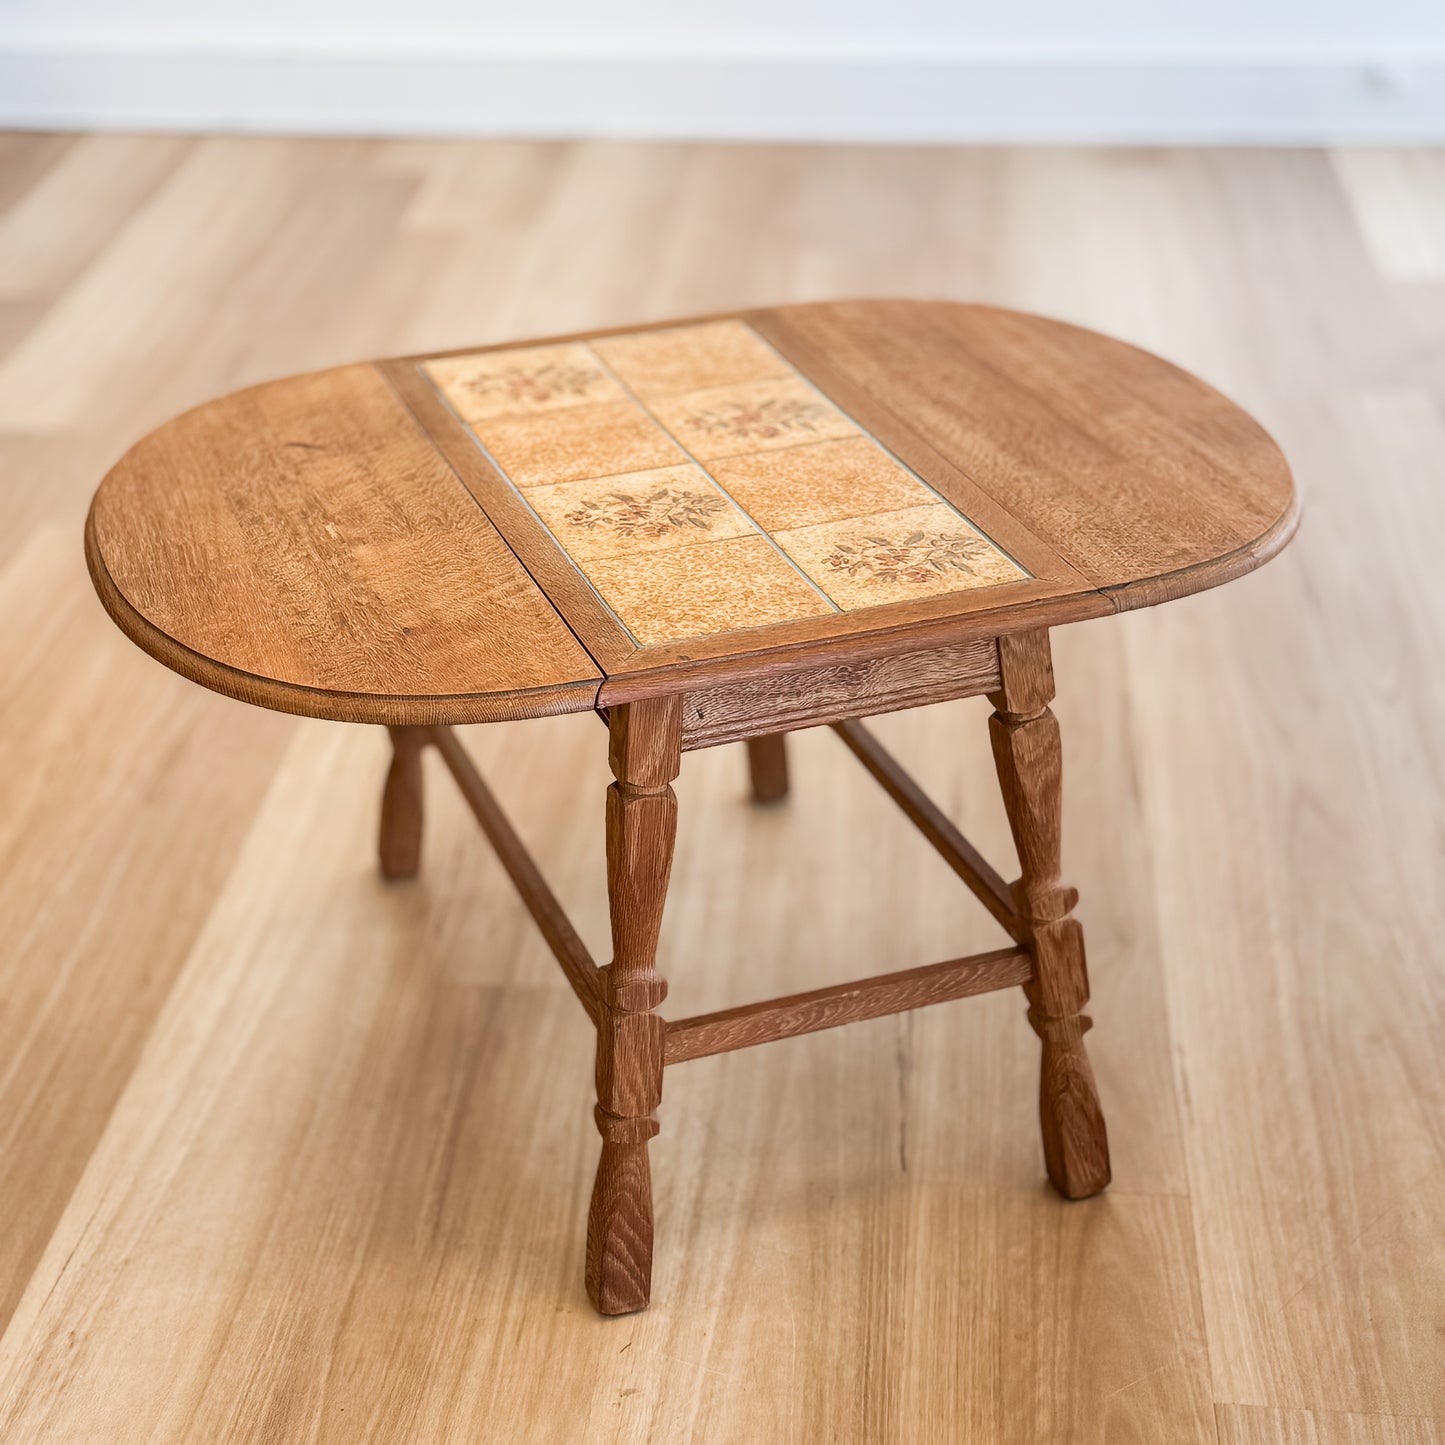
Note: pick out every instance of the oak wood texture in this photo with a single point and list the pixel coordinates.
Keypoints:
(634, 1044)
(1110, 477)
(301, 545)
(1029, 760)
(809, 696)
(844, 1003)
(1081, 471)
(243, 1113)
(1140, 476)
(645, 750)
(534, 546)
(1003, 455)
(1054, 593)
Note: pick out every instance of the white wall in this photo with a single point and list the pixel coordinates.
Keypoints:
(870, 69)
(1030, 29)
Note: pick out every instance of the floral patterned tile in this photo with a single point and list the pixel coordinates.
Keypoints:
(532, 379)
(578, 441)
(819, 482)
(697, 591)
(638, 512)
(756, 416)
(672, 543)
(690, 358)
(895, 556)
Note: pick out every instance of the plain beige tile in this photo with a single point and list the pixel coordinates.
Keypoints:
(576, 442)
(698, 591)
(829, 481)
(691, 358)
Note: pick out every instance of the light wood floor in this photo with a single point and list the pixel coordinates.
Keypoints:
(290, 1155)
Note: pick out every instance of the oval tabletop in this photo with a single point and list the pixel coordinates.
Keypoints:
(554, 525)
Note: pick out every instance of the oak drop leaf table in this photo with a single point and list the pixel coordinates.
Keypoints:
(705, 531)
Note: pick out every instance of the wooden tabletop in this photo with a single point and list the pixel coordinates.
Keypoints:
(561, 524)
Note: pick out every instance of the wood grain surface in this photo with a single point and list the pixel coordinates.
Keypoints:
(645, 750)
(1085, 475)
(825, 694)
(1170, 487)
(301, 545)
(1130, 469)
(1028, 756)
(843, 1003)
(289, 1153)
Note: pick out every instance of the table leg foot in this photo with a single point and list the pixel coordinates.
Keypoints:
(1071, 1119)
(619, 1223)
(399, 844)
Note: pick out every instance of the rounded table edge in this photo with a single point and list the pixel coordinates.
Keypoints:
(395, 710)
(1216, 571)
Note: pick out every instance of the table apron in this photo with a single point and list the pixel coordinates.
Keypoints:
(812, 696)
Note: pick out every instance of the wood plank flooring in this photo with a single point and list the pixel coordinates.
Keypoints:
(287, 1154)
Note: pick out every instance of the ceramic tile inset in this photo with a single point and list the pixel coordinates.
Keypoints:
(535, 378)
(697, 591)
(576, 442)
(896, 556)
(690, 358)
(702, 484)
(819, 482)
(754, 416)
(638, 512)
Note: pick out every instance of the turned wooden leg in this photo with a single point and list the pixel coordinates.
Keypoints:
(399, 845)
(768, 768)
(646, 753)
(1029, 760)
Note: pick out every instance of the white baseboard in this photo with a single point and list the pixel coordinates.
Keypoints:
(1133, 101)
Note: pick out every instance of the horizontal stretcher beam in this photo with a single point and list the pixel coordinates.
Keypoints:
(985, 882)
(826, 1008)
(567, 947)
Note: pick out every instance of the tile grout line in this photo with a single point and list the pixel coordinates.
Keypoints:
(890, 454)
(501, 471)
(792, 372)
(667, 432)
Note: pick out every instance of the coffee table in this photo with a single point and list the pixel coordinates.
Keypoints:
(707, 531)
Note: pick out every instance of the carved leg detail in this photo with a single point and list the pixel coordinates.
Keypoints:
(1029, 760)
(399, 846)
(646, 752)
(768, 768)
